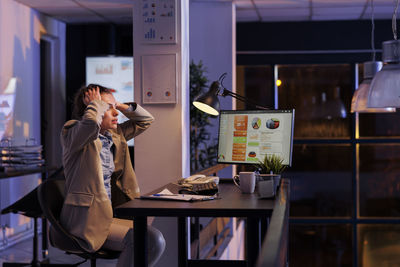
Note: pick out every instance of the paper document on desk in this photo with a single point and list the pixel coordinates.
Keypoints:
(168, 195)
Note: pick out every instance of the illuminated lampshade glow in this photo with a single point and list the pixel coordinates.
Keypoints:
(206, 108)
(209, 102)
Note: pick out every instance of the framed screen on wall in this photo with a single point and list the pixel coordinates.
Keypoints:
(114, 72)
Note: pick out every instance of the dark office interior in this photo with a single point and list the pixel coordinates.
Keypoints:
(344, 176)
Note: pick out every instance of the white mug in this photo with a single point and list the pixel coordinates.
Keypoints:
(246, 181)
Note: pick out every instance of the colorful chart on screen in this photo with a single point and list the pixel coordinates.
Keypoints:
(246, 137)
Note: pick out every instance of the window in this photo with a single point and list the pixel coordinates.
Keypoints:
(345, 176)
(321, 95)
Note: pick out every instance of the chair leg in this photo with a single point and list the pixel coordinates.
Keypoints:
(35, 261)
(93, 262)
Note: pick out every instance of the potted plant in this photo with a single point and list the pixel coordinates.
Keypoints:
(272, 164)
(270, 170)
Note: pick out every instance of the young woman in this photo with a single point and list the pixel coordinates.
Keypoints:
(99, 173)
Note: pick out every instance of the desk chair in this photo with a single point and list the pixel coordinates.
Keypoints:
(51, 198)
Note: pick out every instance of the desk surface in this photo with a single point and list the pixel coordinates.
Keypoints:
(231, 204)
(23, 172)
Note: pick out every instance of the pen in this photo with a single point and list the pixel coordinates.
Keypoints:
(159, 195)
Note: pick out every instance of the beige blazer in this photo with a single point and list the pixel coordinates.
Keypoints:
(87, 211)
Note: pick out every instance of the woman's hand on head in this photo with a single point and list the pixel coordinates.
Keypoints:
(121, 106)
(91, 94)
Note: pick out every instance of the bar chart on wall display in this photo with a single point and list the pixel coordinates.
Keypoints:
(247, 136)
(159, 21)
(113, 72)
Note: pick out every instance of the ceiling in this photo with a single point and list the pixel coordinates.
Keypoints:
(120, 11)
(306, 10)
(84, 11)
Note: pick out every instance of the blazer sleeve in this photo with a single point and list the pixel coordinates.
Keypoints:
(139, 120)
(78, 133)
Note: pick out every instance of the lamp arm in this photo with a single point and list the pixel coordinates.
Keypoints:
(226, 92)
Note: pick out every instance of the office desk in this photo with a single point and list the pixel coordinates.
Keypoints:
(32, 210)
(232, 204)
(23, 172)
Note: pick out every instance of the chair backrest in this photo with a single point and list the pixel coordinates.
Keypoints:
(51, 198)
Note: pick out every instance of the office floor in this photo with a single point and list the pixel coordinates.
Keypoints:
(22, 252)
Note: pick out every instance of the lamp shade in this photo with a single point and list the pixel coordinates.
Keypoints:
(360, 97)
(209, 102)
(385, 86)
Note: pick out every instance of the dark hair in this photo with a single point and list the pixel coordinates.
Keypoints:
(79, 105)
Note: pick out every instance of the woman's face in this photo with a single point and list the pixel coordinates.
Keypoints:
(110, 119)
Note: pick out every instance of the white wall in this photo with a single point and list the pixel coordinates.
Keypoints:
(20, 32)
(162, 151)
(213, 41)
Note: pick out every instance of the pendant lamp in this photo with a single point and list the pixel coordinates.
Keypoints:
(360, 97)
(385, 86)
(359, 103)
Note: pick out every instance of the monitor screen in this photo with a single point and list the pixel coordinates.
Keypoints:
(246, 136)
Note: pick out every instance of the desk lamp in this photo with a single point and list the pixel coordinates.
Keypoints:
(385, 87)
(209, 102)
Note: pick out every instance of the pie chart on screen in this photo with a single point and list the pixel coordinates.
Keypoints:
(272, 123)
(256, 123)
(252, 154)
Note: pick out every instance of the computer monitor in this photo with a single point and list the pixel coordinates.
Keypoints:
(246, 136)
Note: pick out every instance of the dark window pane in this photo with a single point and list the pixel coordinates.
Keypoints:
(380, 180)
(321, 95)
(256, 84)
(379, 245)
(379, 124)
(320, 181)
(320, 245)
